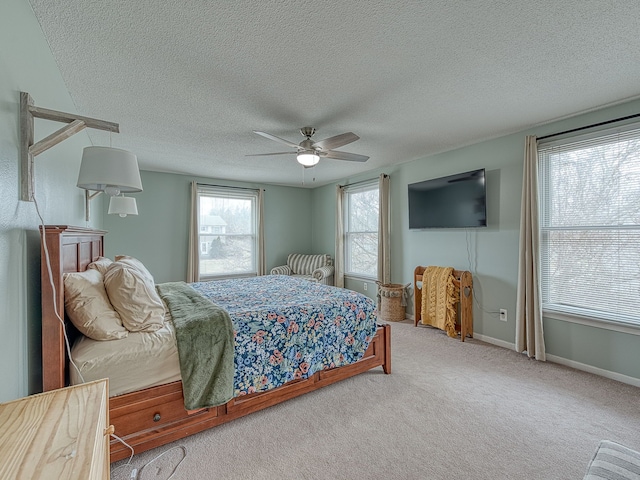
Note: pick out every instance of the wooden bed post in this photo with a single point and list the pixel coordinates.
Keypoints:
(386, 366)
(53, 354)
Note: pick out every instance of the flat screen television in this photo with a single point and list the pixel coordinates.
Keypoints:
(455, 201)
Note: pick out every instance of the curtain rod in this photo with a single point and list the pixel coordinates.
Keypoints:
(362, 181)
(230, 186)
(590, 126)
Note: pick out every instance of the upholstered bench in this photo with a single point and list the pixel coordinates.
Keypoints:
(613, 461)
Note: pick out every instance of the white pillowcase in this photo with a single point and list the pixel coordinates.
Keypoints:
(101, 264)
(88, 306)
(132, 293)
(137, 264)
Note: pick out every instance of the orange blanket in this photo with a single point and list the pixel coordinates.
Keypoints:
(439, 294)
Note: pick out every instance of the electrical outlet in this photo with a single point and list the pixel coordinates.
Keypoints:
(365, 286)
(503, 314)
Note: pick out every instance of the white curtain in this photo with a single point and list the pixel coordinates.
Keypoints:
(193, 262)
(339, 262)
(384, 232)
(529, 331)
(262, 265)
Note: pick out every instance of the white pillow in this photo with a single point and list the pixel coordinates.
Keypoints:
(101, 264)
(88, 306)
(133, 295)
(135, 263)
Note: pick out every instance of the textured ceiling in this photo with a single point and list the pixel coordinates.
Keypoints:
(188, 81)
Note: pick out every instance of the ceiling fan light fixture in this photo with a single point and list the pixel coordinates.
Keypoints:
(308, 152)
(308, 158)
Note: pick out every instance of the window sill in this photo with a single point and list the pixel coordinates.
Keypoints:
(362, 278)
(628, 328)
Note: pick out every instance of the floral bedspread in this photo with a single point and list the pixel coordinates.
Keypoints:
(286, 328)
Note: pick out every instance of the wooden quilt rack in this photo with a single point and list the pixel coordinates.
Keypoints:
(464, 281)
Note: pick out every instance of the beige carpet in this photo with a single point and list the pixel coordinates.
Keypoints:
(449, 410)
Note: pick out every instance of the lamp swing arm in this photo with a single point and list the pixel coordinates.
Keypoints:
(87, 203)
(29, 150)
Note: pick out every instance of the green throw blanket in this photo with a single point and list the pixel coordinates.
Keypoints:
(204, 335)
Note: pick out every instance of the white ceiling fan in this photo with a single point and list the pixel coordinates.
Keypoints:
(308, 151)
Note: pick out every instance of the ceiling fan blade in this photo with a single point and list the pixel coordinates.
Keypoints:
(265, 154)
(277, 139)
(351, 157)
(337, 141)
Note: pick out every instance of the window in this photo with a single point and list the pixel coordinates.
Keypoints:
(227, 232)
(361, 213)
(590, 226)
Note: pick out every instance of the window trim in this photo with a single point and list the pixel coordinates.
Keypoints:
(363, 186)
(220, 191)
(581, 319)
(360, 277)
(571, 314)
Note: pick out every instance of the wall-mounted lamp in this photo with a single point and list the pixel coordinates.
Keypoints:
(123, 206)
(109, 170)
(103, 169)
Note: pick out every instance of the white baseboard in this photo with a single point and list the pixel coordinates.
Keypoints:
(595, 370)
(566, 362)
(561, 360)
(494, 341)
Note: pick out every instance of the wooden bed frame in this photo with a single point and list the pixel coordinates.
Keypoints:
(464, 281)
(155, 416)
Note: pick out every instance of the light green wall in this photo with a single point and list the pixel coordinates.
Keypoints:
(26, 64)
(159, 235)
(491, 253)
(613, 351)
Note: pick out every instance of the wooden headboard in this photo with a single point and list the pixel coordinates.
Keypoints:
(70, 249)
(464, 281)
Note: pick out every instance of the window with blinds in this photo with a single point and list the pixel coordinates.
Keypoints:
(361, 214)
(590, 225)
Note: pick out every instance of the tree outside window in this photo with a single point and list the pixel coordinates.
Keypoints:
(361, 230)
(228, 227)
(590, 226)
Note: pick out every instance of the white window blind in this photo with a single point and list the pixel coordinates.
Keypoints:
(361, 212)
(590, 225)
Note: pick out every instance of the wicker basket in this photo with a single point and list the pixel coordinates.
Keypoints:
(391, 304)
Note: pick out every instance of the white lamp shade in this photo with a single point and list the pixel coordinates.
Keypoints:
(123, 206)
(308, 158)
(110, 169)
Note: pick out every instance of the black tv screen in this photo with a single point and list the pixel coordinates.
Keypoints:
(456, 201)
